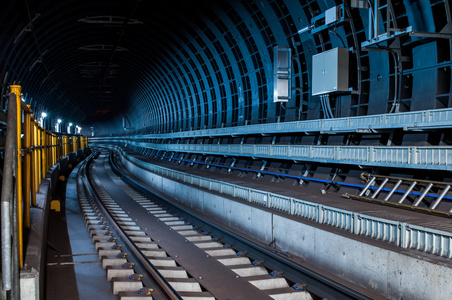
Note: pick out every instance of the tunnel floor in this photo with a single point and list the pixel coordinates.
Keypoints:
(60, 279)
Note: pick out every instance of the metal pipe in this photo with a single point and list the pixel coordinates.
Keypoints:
(408, 192)
(438, 200)
(8, 192)
(396, 83)
(17, 257)
(371, 21)
(427, 189)
(379, 188)
(367, 186)
(376, 19)
(396, 186)
(325, 115)
(328, 105)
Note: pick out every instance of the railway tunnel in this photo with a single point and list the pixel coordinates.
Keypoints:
(266, 149)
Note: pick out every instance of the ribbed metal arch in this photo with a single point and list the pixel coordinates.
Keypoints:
(230, 44)
(161, 59)
(156, 87)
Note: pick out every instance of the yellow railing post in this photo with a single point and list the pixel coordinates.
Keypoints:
(51, 145)
(55, 149)
(74, 144)
(15, 89)
(50, 138)
(44, 153)
(59, 148)
(47, 148)
(39, 156)
(27, 167)
(34, 162)
(49, 151)
(64, 145)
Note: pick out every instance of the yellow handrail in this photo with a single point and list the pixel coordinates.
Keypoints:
(40, 149)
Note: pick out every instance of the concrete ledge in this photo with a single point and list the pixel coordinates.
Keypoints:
(378, 267)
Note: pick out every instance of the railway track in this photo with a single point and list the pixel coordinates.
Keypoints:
(152, 248)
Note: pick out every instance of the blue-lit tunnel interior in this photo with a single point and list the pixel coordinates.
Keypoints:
(322, 101)
(118, 67)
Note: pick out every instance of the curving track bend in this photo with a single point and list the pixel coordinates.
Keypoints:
(156, 250)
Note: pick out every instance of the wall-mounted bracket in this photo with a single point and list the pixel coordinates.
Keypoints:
(109, 20)
(27, 28)
(232, 164)
(38, 60)
(194, 160)
(331, 17)
(376, 37)
(264, 164)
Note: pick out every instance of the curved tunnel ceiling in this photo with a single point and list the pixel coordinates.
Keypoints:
(162, 66)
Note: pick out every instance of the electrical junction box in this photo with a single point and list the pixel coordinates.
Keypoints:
(330, 71)
(333, 15)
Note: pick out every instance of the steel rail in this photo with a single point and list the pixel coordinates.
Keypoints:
(317, 283)
(152, 278)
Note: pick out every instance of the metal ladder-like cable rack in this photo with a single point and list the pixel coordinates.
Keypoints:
(413, 194)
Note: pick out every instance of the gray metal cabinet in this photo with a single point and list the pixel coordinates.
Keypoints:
(330, 71)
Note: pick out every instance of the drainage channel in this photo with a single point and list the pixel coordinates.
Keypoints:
(195, 264)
